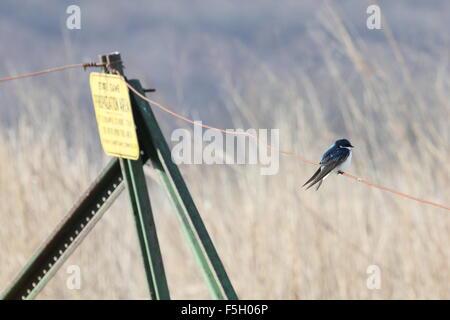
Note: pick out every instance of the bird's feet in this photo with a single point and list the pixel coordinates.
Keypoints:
(340, 172)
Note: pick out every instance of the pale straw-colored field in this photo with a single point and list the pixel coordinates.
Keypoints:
(275, 239)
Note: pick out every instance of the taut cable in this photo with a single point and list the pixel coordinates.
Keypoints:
(181, 117)
(69, 66)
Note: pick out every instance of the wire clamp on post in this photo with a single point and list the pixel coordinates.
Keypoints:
(92, 65)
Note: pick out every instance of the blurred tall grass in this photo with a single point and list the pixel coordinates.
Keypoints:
(276, 240)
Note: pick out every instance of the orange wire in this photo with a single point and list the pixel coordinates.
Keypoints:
(70, 66)
(395, 192)
(289, 153)
(166, 109)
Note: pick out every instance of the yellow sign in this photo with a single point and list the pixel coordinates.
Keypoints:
(114, 115)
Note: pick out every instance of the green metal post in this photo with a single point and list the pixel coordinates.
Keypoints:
(155, 145)
(146, 230)
(133, 173)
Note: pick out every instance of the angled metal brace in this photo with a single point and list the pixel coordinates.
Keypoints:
(67, 235)
(155, 145)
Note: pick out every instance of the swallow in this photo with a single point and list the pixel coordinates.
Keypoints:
(336, 159)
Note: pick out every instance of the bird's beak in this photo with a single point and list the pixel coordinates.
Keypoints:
(351, 146)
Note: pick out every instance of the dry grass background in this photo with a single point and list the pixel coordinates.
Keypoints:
(276, 240)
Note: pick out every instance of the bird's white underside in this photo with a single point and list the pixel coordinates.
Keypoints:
(344, 165)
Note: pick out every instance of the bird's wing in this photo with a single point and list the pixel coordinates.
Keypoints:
(335, 158)
(312, 178)
(328, 154)
(330, 162)
(325, 158)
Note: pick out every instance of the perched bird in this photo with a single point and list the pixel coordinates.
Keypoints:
(337, 159)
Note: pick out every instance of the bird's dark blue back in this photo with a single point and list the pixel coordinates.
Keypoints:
(334, 154)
